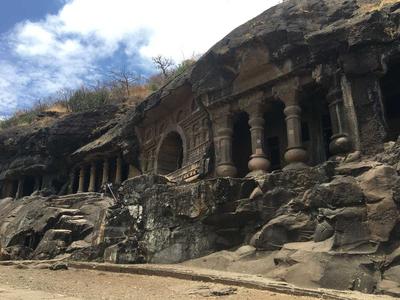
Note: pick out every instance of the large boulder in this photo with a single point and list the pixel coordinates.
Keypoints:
(51, 226)
(378, 185)
(340, 192)
(351, 230)
(284, 229)
(53, 243)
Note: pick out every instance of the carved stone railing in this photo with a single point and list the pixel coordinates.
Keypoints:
(187, 173)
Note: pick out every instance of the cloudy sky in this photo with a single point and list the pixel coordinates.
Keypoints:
(47, 45)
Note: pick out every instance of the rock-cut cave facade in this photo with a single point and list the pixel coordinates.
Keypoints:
(274, 102)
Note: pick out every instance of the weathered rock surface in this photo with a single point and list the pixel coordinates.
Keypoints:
(43, 228)
(39, 148)
(340, 233)
(160, 221)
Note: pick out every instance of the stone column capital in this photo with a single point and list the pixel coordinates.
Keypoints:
(292, 111)
(220, 112)
(252, 102)
(288, 91)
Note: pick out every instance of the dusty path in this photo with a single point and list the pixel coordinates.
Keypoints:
(29, 283)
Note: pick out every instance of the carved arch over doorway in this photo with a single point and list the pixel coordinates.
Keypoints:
(171, 152)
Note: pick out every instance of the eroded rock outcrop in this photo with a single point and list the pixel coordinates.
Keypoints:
(45, 227)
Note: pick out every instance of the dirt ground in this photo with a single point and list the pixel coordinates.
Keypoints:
(34, 283)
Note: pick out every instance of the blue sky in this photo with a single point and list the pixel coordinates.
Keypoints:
(50, 45)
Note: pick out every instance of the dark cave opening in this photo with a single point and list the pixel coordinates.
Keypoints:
(29, 186)
(390, 89)
(170, 155)
(241, 144)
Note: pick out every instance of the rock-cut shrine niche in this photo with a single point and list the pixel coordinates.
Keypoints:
(390, 88)
(170, 154)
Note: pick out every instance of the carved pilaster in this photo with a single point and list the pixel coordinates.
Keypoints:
(295, 155)
(223, 131)
(81, 186)
(118, 170)
(92, 181)
(37, 186)
(340, 142)
(258, 162)
(71, 182)
(20, 189)
(106, 170)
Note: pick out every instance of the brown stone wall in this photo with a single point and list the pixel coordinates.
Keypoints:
(186, 120)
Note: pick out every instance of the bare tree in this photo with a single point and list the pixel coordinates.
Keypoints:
(163, 64)
(123, 80)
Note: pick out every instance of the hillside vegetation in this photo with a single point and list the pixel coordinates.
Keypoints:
(121, 88)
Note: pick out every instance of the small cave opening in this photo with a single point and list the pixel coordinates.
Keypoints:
(326, 133)
(390, 89)
(29, 186)
(86, 178)
(170, 155)
(39, 183)
(241, 143)
(32, 240)
(3, 189)
(274, 152)
(125, 170)
(75, 184)
(57, 184)
(14, 188)
(316, 127)
(112, 168)
(99, 175)
(275, 134)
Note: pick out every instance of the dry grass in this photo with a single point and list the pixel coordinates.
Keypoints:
(57, 107)
(376, 6)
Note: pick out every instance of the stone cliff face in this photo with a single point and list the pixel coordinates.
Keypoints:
(45, 149)
(334, 225)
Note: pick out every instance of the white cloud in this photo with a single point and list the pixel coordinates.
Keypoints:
(63, 49)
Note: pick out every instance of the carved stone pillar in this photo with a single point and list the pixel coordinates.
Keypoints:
(118, 170)
(92, 181)
(223, 131)
(37, 186)
(81, 186)
(106, 170)
(340, 142)
(71, 182)
(258, 162)
(20, 189)
(295, 155)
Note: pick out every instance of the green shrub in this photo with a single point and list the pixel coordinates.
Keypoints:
(85, 99)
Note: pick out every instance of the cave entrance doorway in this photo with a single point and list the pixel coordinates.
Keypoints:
(170, 154)
(75, 184)
(241, 144)
(29, 185)
(275, 136)
(391, 100)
